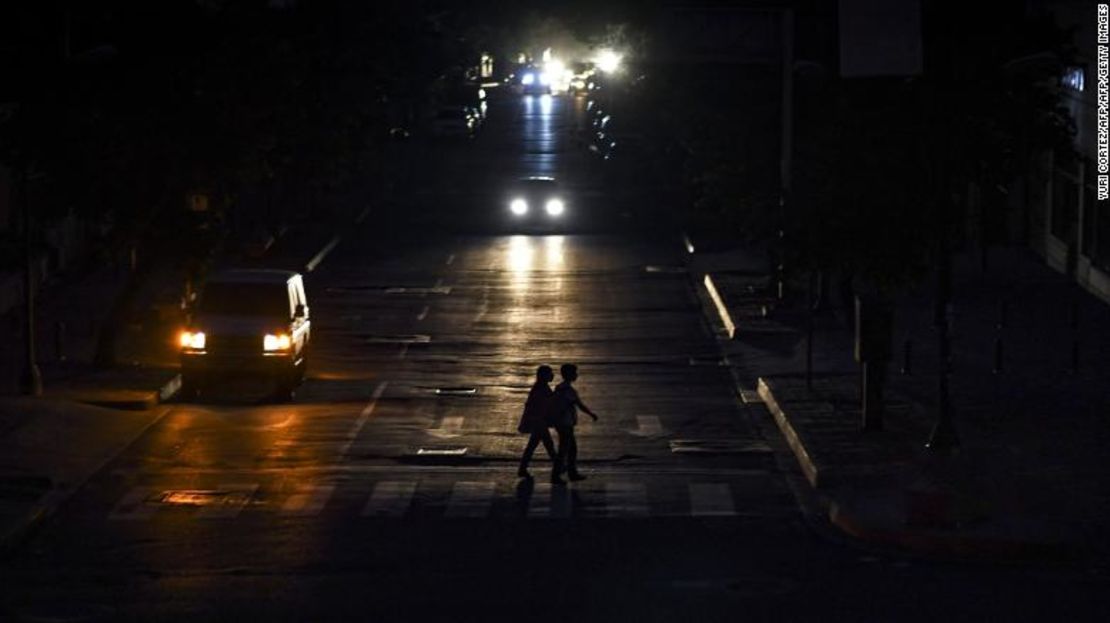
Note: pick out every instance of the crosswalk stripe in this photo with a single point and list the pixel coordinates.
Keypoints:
(549, 501)
(626, 499)
(471, 499)
(308, 500)
(239, 495)
(133, 506)
(391, 498)
(711, 500)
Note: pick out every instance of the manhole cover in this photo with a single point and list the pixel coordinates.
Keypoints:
(399, 339)
(456, 391)
(718, 446)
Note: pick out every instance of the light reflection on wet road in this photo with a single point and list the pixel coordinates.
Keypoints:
(375, 495)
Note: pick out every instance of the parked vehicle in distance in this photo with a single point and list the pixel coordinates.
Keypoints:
(247, 320)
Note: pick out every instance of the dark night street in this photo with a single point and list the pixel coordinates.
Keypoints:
(387, 487)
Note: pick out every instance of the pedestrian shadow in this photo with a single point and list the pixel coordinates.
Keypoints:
(524, 491)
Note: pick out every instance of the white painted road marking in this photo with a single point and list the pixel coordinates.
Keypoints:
(424, 312)
(133, 506)
(237, 498)
(391, 498)
(308, 501)
(626, 499)
(367, 411)
(471, 499)
(451, 259)
(711, 500)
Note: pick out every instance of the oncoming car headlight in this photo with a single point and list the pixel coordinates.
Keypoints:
(528, 79)
(519, 207)
(272, 342)
(192, 340)
(555, 207)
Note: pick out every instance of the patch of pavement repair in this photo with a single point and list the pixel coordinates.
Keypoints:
(718, 446)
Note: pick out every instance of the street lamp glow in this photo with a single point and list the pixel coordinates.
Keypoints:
(555, 67)
(608, 60)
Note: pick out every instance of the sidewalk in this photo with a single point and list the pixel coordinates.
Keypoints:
(50, 445)
(1029, 479)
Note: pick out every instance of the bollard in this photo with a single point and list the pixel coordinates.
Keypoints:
(59, 341)
(907, 358)
(998, 355)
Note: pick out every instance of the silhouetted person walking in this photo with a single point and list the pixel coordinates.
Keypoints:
(534, 422)
(565, 417)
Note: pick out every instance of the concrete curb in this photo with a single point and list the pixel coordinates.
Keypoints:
(139, 401)
(722, 309)
(816, 474)
(924, 543)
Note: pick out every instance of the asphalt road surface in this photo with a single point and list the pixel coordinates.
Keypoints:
(388, 489)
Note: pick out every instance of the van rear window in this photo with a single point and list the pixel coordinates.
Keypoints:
(245, 299)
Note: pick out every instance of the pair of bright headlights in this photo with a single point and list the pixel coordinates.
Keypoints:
(553, 207)
(196, 340)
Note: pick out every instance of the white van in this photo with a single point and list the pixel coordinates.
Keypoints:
(248, 320)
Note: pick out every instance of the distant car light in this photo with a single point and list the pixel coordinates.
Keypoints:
(608, 61)
(545, 78)
(555, 207)
(192, 340)
(519, 207)
(272, 342)
(528, 79)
